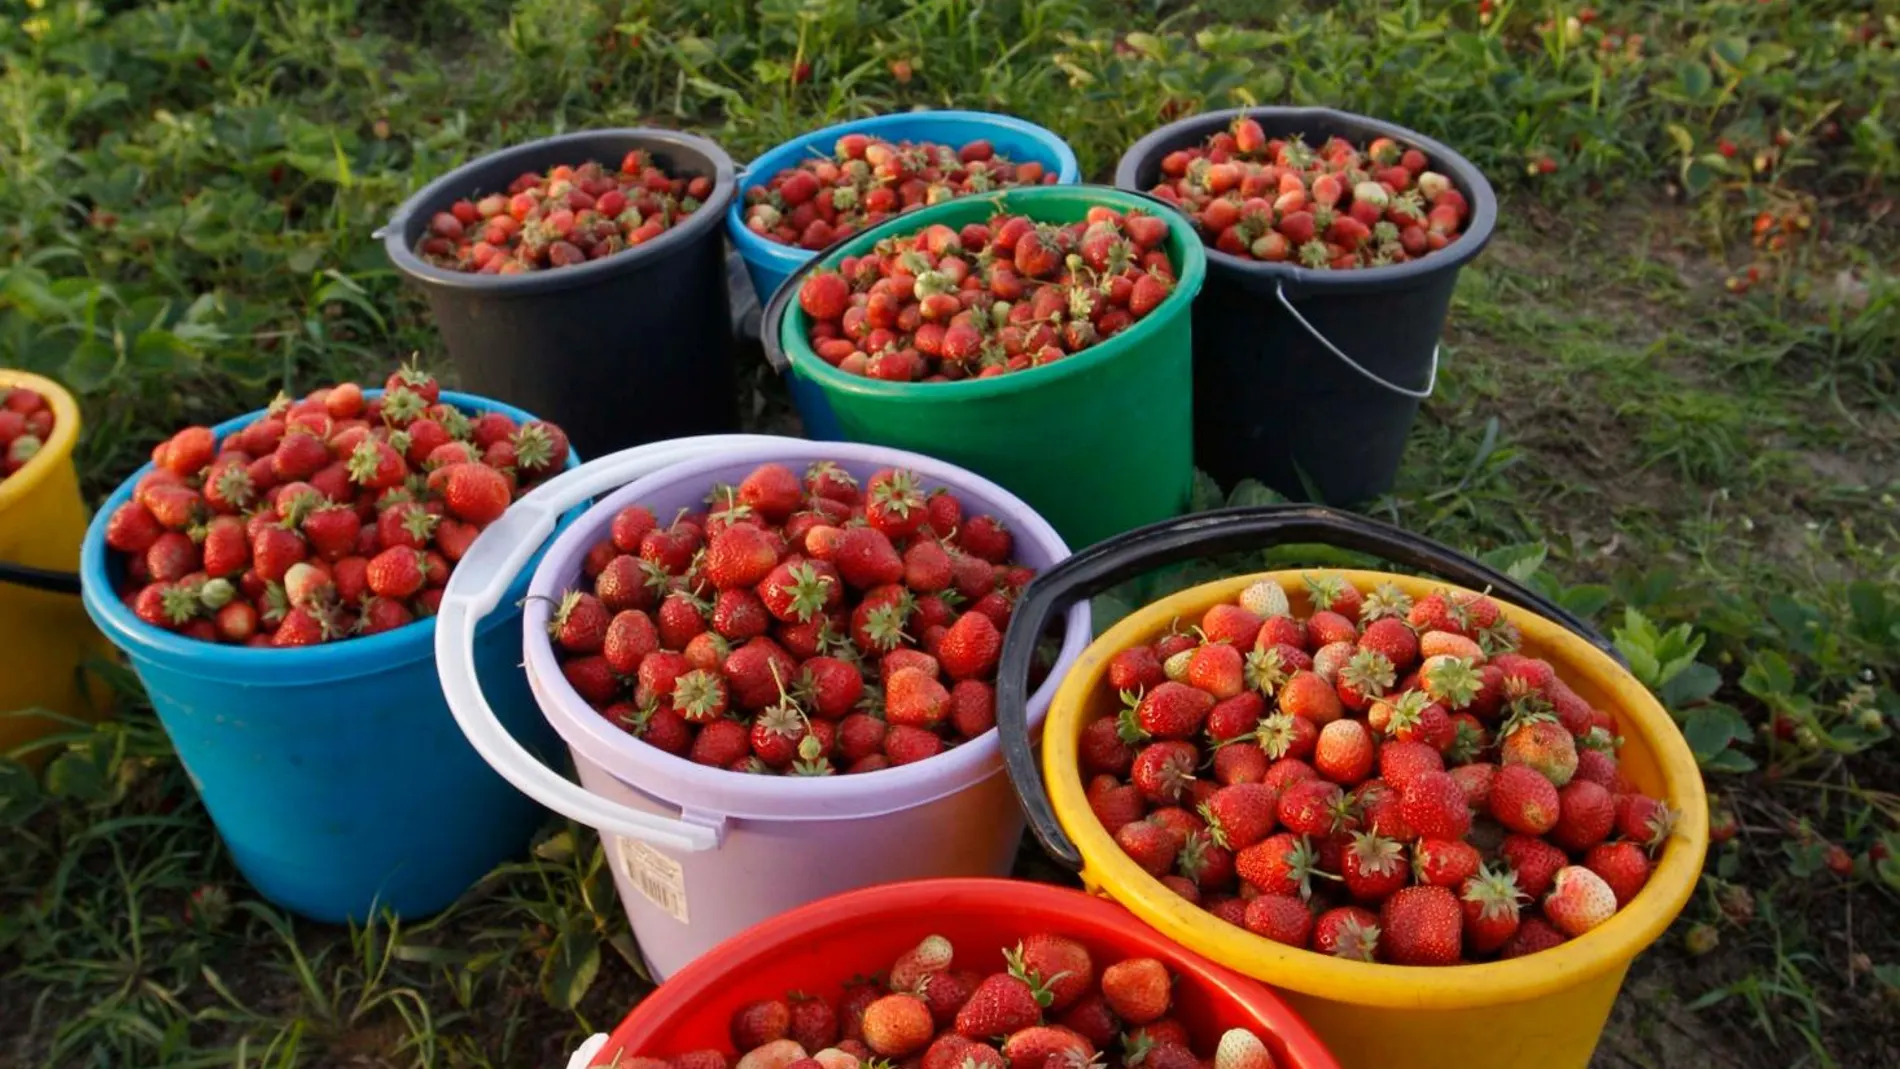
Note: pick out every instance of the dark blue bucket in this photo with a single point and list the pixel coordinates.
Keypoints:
(336, 773)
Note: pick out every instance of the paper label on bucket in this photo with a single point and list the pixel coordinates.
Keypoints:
(658, 877)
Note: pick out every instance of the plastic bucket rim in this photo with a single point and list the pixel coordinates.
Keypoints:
(1302, 280)
(359, 656)
(790, 341)
(753, 248)
(911, 897)
(1612, 945)
(442, 191)
(57, 448)
(670, 778)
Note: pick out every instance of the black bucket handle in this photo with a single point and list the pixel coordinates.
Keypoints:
(39, 579)
(1101, 566)
(1431, 377)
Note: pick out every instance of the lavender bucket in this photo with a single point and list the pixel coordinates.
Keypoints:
(702, 853)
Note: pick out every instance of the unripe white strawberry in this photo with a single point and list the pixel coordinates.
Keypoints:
(1265, 598)
(1241, 1049)
(1579, 900)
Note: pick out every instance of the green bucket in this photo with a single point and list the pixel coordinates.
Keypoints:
(1098, 443)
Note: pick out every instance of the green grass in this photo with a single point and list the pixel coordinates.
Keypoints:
(192, 189)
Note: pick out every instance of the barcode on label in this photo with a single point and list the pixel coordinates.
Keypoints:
(659, 878)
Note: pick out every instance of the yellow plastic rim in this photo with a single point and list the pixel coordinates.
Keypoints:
(1646, 727)
(56, 449)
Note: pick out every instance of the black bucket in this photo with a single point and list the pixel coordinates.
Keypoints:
(1309, 380)
(627, 349)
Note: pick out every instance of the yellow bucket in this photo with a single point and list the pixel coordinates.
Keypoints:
(44, 631)
(1546, 1009)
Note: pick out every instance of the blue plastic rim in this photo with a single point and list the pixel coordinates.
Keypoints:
(335, 773)
(769, 264)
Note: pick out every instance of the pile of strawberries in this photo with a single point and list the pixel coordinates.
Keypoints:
(1050, 1005)
(1008, 295)
(798, 626)
(568, 216)
(330, 517)
(868, 180)
(26, 421)
(1382, 780)
(1338, 207)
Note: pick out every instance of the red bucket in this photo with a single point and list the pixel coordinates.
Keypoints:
(818, 947)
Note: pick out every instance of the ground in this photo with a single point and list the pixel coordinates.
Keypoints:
(1710, 474)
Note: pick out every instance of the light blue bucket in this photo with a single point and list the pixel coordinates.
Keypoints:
(336, 773)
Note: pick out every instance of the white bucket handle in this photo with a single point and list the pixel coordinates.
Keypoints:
(480, 581)
(1431, 378)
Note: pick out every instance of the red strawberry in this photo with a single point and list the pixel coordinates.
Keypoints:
(1433, 805)
(1642, 819)
(1306, 694)
(1139, 990)
(1218, 669)
(1623, 866)
(1534, 861)
(1422, 926)
(273, 550)
(1240, 815)
(986, 538)
(1373, 867)
(132, 528)
(739, 556)
(1164, 770)
(1001, 1004)
(897, 1026)
(1534, 935)
(1349, 932)
(1279, 917)
(1586, 815)
(1047, 1047)
(1490, 901)
(914, 699)
(1313, 807)
(905, 745)
(1279, 864)
(1523, 800)
(1402, 762)
(865, 558)
(1344, 752)
(473, 492)
(1150, 844)
(971, 647)
(1056, 962)
(1173, 711)
(1444, 862)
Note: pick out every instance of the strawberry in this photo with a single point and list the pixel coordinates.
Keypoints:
(1349, 932)
(1523, 800)
(1433, 805)
(1279, 917)
(897, 1026)
(985, 538)
(1534, 862)
(1344, 752)
(1624, 866)
(1150, 844)
(1393, 640)
(1444, 862)
(1218, 669)
(1173, 711)
(1001, 1004)
(1325, 628)
(1056, 963)
(1047, 1047)
(739, 556)
(1579, 900)
(1373, 866)
(1279, 864)
(914, 699)
(1306, 695)
(1542, 744)
(1534, 935)
(1646, 821)
(757, 1023)
(132, 528)
(1240, 815)
(865, 558)
(1422, 926)
(1232, 625)
(1137, 989)
(1490, 900)
(396, 572)
(1313, 807)
(579, 623)
(905, 745)
(1163, 771)
(472, 492)
(971, 647)
(1586, 815)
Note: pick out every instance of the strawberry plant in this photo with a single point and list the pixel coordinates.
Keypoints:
(1045, 1003)
(799, 625)
(1008, 295)
(867, 180)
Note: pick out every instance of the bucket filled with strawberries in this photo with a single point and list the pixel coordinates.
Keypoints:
(1037, 336)
(953, 973)
(1335, 241)
(1324, 778)
(581, 276)
(273, 581)
(821, 187)
(779, 656)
